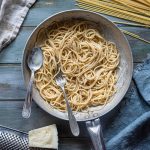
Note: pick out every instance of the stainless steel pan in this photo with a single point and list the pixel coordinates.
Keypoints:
(111, 33)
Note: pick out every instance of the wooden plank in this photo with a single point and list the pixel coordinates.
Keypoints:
(11, 83)
(11, 102)
(11, 117)
(13, 53)
(139, 48)
(11, 110)
(45, 8)
(75, 144)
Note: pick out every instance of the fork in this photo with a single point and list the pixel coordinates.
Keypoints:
(61, 81)
(95, 131)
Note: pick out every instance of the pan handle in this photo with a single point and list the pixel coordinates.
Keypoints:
(95, 130)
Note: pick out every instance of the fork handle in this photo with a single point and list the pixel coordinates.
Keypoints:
(28, 100)
(72, 120)
(96, 137)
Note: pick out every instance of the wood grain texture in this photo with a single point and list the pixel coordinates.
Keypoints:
(12, 89)
(11, 117)
(13, 53)
(11, 83)
(45, 8)
(139, 48)
(75, 144)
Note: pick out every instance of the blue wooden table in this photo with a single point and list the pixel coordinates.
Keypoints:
(12, 89)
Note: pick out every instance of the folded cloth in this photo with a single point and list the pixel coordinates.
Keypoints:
(136, 136)
(142, 79)
(12, 14)
(129, 128)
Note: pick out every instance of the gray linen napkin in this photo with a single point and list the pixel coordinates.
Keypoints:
(12, 14)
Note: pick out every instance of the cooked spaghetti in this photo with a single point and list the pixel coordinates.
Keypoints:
(88, 61)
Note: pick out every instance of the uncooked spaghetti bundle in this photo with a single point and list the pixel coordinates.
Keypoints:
(133, 10)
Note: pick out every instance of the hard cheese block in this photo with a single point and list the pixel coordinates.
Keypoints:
(45, 137)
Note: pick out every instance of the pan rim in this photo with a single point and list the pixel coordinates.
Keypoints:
(130, 53)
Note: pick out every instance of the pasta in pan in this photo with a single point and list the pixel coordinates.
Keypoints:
(88, 61)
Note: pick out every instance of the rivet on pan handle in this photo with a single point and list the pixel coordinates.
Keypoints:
(95, 131)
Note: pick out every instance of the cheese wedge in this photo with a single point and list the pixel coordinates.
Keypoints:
(45, 137)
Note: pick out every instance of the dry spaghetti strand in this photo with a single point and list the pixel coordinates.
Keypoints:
(135, 36)
(131, 24)
(134, 11)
